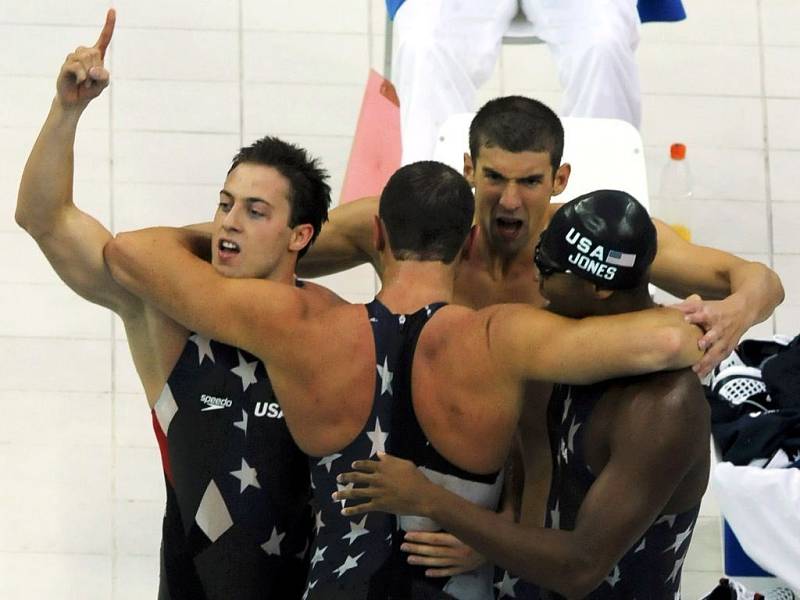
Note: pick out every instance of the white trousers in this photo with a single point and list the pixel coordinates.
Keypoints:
(763, 509)
(447, 49)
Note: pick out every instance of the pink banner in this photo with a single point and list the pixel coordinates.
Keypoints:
(375, 154)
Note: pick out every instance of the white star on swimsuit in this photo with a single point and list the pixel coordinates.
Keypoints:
(246, 370)
(351, 562)
(356, 530)
(203, 347)
(669, 519)
(326, 461)
(573, 429)
(506, 587)
(273, 544)
(555, 517)
(318, 524)
(614, 578)
(243, 423)
(343, 488)
(680, 538)
(567, 402)
(378, 439)
(386, 377)
(676, 569)
(319, 556)
(310, 587)
(247, 477)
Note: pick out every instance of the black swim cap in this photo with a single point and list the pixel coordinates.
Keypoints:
(605, 236)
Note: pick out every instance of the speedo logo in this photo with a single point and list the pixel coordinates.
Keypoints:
(214, 403)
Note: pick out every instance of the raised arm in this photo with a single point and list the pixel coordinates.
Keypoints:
(737, 293)
(530, 343)
(344, 242)
(161, 266)
(71, 240)
(653, 447)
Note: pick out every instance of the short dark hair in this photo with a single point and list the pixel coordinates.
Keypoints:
(427, 208)
(310, 194)
(517, 124)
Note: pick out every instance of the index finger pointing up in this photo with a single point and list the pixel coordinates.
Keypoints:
(108, 30)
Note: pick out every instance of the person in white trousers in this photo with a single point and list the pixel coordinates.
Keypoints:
(448, 48)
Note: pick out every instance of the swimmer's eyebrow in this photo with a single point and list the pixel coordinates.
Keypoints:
(537, 178)
(256, 199)
(249, 199)
(492, 172)
(532, 179)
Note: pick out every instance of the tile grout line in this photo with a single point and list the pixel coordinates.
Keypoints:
(375, 278)
(385, 72)
(240, 37)
(370, 34)
(501, 70)
(765, 126)
(112, 341)
(206, 29)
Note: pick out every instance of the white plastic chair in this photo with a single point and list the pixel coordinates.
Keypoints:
(604, 154)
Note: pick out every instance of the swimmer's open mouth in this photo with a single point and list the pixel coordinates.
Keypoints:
(227, 246)
(507, 226)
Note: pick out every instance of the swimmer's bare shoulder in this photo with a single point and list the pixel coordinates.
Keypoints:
(319, 295)
(663, 407)
(676, 392)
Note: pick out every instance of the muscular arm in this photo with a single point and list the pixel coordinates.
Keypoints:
(654, 444)
(161, 266)
(344, 242)
(742, 293)
(530, 343)
(534, 448)
(71, 240)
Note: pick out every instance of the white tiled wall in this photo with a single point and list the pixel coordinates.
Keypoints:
(80, 483)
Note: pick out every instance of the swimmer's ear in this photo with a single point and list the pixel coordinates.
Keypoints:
(378, 234)
(561, 178)
(469, 170)
(301, 236)
(602, 293)
(470, 242)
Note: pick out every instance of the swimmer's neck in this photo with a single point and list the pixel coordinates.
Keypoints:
(408, 285)
(502, 265)
(283, 271)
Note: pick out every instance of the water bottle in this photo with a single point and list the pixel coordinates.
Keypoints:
(673, 202)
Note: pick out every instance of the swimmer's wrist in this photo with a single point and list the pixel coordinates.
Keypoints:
(747, 308)
(65, 116)
(433, 502)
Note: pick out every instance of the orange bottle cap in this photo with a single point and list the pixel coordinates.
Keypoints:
(677, 151)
